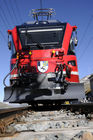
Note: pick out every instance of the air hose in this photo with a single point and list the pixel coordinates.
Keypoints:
(9, 74)
(59, 73)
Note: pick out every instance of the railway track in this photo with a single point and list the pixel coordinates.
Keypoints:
(47, 122)
(9, 116)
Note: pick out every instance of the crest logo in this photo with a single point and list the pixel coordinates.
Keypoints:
(42, 66)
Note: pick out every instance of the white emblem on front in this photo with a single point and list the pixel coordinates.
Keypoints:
(42, 66)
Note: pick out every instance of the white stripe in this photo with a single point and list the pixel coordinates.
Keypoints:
(43, 30)
(23, 31)
(72, 72)
(14, 75)
(64, 72)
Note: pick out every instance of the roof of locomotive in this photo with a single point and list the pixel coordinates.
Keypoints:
(41, 23)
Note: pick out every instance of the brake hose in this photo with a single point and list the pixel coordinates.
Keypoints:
(9, 74)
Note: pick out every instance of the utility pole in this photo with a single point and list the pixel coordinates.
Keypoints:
(41, 8)
(40, 4)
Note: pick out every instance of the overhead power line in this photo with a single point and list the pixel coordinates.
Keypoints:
(83, 38)
(9, 11)
(40, 4)
(18, 11)
(5, 17)
(3, 35)
(16, 18)
(41, 7)
(86, 29)
(86, 47)
(3, 20)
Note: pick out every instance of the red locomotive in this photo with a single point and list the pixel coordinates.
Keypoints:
(43, 62)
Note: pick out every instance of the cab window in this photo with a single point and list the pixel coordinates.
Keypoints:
(13, 51)
(71, 50)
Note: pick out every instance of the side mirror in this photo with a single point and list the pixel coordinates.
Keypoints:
(75, 38)
(9, 45)
(75, 41)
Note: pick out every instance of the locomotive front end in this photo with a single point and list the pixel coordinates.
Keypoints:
(43, 63)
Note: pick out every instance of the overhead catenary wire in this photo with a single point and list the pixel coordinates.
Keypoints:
(5, 17)
(16, 18)
(40, 4)
(3, 36)
(3, 20)
(83, 38)
(41, 7)
(5, 2)
(86, 47)
(86, 29)
(18, 11)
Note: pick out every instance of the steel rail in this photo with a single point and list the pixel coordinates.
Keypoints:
(12, 109)
(9, 116)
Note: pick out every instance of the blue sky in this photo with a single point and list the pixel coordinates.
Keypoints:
(76, 12)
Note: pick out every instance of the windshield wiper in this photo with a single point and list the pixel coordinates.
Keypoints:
(39, 45)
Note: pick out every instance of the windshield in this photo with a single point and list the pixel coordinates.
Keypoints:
(13, 51)
(41, 38)
(71, 50)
